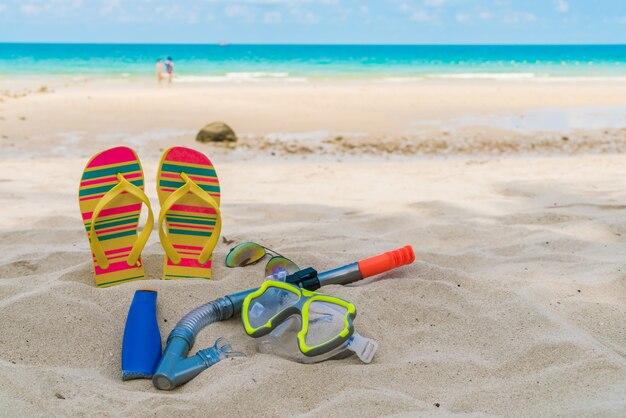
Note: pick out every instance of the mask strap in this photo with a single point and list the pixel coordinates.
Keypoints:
(363, 347)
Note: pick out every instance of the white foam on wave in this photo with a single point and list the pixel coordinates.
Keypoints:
(256, 74)
(489, 76)
(566, 79)
(407, 79)
(199, 79)
(239, 77)
(542, 78)
(259, 76)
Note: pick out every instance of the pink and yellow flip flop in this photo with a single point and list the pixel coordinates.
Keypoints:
(110, 197)
(189, 193)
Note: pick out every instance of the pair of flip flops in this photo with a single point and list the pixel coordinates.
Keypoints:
(111, 196)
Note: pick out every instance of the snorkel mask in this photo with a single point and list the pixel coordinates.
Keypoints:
(303, 326)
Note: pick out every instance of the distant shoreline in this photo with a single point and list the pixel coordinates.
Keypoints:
(318, 61)
(285, 78)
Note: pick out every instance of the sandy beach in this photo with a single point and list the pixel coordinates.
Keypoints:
(431, 118)
(510, 192)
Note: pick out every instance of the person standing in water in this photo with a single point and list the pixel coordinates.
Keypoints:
(159, 70)
(169, 68)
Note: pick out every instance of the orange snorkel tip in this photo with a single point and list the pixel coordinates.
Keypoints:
(386, 261)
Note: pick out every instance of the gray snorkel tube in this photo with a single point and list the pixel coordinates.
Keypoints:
(175, 368)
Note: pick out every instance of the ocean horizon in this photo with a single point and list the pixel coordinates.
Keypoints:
(290, 62)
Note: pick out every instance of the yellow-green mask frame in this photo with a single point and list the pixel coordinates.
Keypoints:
(300, 307)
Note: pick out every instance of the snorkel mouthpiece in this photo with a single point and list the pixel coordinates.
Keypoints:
(175, 368)
(183, 369)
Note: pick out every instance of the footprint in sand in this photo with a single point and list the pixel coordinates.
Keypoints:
(33, 264)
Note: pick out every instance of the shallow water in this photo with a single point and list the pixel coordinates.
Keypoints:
(202, 63)
(543, 119)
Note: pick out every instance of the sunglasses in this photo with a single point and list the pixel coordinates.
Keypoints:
(248, 253)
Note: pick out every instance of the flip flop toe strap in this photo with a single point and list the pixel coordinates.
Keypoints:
(188, 187)
(123, 185)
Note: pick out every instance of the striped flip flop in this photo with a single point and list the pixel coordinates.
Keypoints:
(189, 193)
(110, 197)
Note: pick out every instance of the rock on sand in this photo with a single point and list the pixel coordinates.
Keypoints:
(216, 132)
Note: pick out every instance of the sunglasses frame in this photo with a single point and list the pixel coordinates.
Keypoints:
(268, 251)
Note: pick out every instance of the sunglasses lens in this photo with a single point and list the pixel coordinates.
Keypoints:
(279, 264)
(244, 254)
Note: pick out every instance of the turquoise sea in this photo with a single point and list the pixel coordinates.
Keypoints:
(302, 62)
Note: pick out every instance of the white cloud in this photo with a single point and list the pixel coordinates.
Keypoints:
(462, 17)
(562, 6)
(192, 17)
(233, 11)
(404, 7)
(621, 20)
(484, 15)
(273, 17)
(30, 9)
(303, 16)
(266, 1)
(434, 3)
(309, 17)
(253, 1)
(272, 2)
(519, 17)
(365, 14)
(108, 6)
(421, 16)
(57, 8)
(3, 7)
(241, 12)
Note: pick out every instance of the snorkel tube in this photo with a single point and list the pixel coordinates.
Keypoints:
(175, 368)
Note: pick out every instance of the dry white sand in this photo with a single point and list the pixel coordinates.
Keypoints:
(516, 304)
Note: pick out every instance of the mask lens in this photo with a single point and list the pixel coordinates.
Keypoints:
(278, 264)
(263, 308)
(326, 321)
(244, 254)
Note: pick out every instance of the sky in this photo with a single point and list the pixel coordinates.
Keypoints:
(315, 21)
